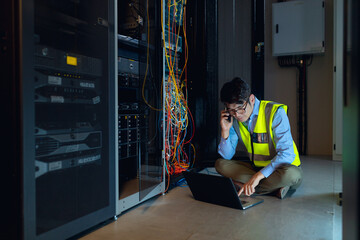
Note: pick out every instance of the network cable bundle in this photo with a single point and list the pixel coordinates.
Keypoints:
(179, 124)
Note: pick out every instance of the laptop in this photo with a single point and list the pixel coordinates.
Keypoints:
(218, 190)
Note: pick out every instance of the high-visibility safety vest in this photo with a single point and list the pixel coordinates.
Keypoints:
(260, 145)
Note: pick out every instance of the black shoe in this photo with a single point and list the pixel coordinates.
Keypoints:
(281, 193)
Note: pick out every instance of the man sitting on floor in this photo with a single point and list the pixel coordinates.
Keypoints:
(261, 129)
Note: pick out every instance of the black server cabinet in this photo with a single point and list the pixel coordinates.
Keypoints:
(59, 81)
(202, 33)
(140, 141)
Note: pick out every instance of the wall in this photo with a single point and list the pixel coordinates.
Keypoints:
(281, 86)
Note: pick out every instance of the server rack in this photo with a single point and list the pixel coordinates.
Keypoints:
(61, 101)
(140, 167)
(202, 33)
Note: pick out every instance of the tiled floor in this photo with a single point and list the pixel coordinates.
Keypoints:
(310, 213)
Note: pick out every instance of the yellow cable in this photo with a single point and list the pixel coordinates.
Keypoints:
(171, 71)
(186, 45)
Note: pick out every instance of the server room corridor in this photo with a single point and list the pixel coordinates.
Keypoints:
(312, 212)
(108, 105)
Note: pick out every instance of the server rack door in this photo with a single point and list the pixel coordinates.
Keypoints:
(151, 164)
(14, 54)
(67, 93)
(140, 165)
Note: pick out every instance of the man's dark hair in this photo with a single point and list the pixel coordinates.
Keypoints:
(235, 91)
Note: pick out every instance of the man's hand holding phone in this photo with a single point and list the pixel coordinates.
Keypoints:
(226, 122)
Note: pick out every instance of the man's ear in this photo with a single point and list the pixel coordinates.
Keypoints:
(252, 99)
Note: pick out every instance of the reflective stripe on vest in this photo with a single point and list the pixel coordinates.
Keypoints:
(261, 140)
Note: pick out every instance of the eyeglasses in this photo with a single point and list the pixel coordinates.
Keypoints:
(240, 109)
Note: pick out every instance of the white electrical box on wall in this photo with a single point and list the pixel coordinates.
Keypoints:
(298, 27)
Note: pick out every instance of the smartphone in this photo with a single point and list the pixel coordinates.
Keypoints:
(228, 117)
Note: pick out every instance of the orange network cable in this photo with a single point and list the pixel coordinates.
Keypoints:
(176, 102)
